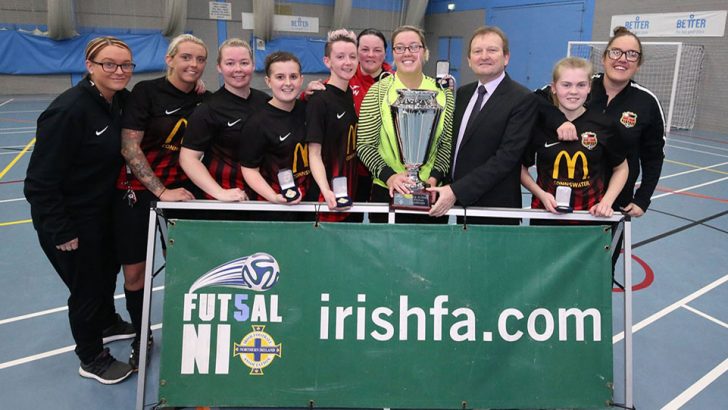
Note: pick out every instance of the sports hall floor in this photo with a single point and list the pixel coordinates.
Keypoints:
(680, 307)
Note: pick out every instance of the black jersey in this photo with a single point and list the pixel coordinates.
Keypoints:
(75, 160)
(275, 140)
(215, 128)
(581, 165)
(642, 127)
(160, 110)
(642, 130)
(331, 121)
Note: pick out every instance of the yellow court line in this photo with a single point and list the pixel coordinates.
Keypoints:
(22, 221)
(17, 157)
(693, 166)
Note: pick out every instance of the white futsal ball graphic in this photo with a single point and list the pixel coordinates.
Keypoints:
(260, 271)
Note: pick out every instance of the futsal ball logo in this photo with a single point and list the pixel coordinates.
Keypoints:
(260, 271)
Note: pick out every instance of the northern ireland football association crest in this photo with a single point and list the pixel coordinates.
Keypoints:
(589, 140)
(629, 119)
(257, 350)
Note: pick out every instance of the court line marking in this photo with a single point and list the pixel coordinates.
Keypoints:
(11, 152)
(692, 224)
(20, 112)
(677, 191)
(697, 137)
(7, 102)
(12, 200)
(698, 144)
(669, 309)
(697, 168)
(50, 353)
(692, 194)
(697, 387)
(4, 129)
(706, 316)
(17, 120)
(30, 131)
(56, 310)
(20, 222)
(20, 155)
(697, 150)
(11, 146)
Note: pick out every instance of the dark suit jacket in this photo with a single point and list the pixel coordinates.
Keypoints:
(488, 165)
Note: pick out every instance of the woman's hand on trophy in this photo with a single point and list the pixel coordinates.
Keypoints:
(398, 182)
(445, 200)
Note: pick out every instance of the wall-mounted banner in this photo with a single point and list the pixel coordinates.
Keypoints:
(220, 10)
(296, 24)
(374, 316)
(683, 24)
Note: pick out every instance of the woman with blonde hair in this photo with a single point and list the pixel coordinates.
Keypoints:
(153, 127)
(578, 168)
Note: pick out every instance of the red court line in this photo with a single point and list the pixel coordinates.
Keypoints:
(699, 138)
(691, 194)
(11, 182)
(648, 279)
(17, 120)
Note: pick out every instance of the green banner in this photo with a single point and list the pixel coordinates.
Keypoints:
(402, 316)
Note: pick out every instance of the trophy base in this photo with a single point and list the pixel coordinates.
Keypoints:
(416, 201)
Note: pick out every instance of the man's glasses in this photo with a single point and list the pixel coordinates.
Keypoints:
(110, 67)
(630, 55)
(413, 48)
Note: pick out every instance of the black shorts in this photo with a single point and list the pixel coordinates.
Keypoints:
(131, 226)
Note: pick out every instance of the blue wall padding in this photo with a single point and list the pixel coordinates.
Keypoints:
(24, 53)
(309, 51)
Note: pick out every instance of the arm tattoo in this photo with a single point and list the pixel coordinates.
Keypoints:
(137, 162)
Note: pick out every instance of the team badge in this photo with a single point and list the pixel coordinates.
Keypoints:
(257, 350)
(589, 140)
(629, 119)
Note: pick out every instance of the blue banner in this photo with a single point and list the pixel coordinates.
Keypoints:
(26, 53)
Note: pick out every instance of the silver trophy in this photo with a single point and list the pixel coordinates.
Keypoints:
(416, 114)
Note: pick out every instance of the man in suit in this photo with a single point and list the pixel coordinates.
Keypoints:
(492, 122)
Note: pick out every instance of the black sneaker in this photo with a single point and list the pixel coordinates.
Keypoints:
(118, 331)
(135, 348)
(105, 369)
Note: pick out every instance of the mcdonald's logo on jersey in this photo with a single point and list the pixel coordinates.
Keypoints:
(351, 142)
(179, 129)
(589, 140)
(300, 153)
(571, 164)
